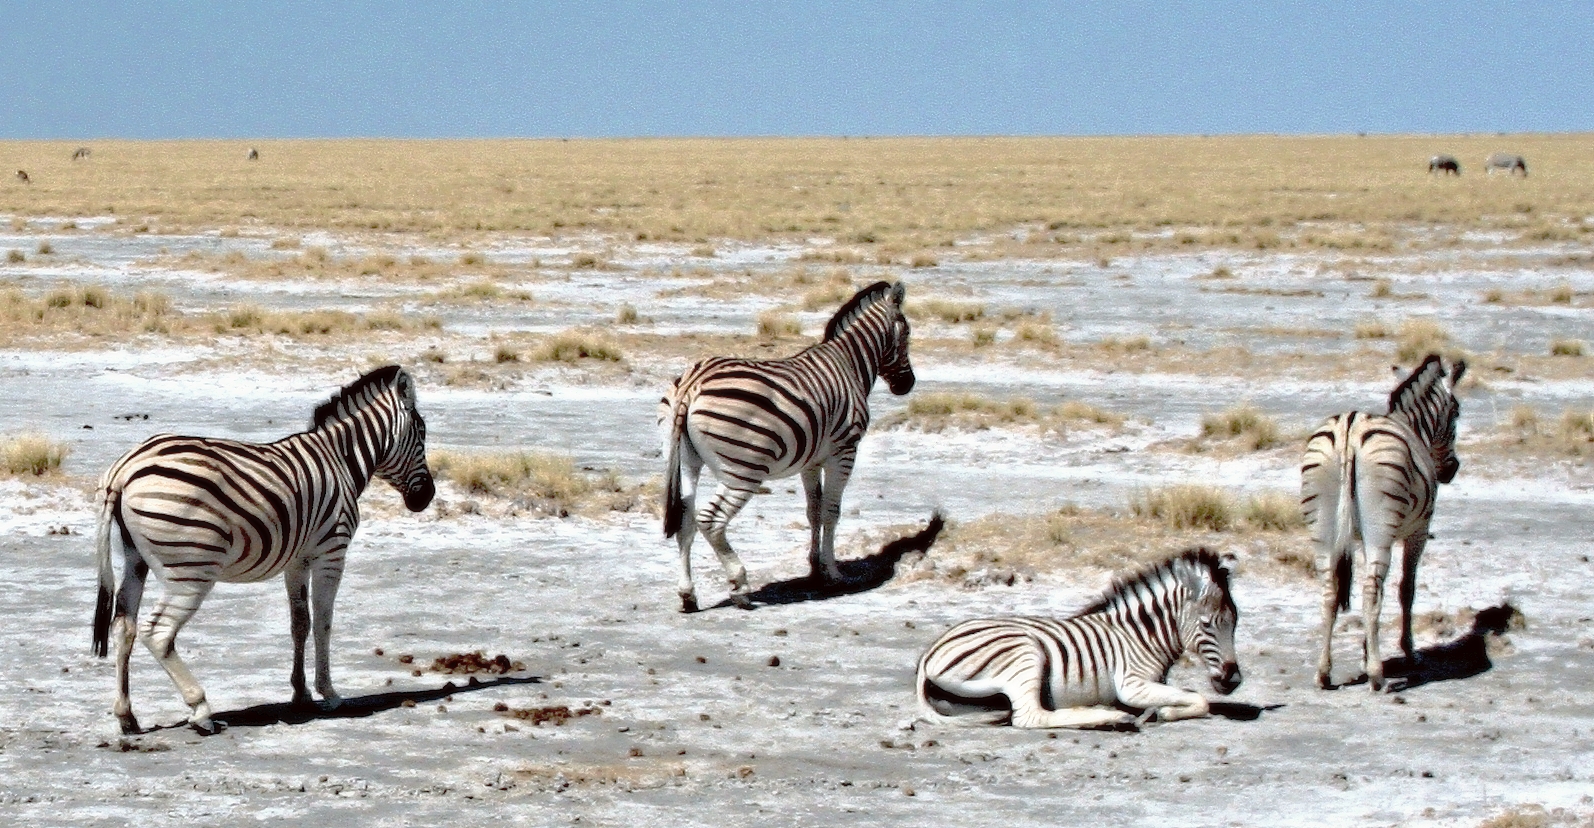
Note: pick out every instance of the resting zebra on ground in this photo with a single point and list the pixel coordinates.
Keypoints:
(1044, 672)
(751, 420)
(1506, 161)
(1371, 479)
(196, 510)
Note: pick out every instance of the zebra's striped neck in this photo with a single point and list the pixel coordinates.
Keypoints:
(359, 439)
(861, 343)
(1423, 402)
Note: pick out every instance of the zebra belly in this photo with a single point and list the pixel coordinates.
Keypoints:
(182, 533)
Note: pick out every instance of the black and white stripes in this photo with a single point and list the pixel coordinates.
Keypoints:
(750, 421)
(1372, 479)
(196, 511)
(1044, 672)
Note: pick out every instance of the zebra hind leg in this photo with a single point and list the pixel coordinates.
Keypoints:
(124, 631)
(159, 634)
(714, 520)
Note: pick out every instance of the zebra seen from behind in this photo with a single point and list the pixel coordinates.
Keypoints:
(1368, 480)
(752, 420)
(196, 510)
(1068, 672)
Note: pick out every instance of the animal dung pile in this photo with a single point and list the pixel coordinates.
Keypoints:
(558, 713)
(476, 662)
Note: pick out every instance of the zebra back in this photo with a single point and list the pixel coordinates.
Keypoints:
(1426, 403)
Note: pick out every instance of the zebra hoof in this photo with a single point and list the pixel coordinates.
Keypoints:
(688, 603)
(206, 727)
(129, 725)
(1326, 683)
(741, 602)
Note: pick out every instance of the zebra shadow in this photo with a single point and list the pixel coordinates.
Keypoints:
(353, 707)
(858, 575)
(1240, 711)
(1461, 658)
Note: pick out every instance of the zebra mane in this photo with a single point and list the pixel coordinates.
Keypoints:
(860, 302)
(1198, 557)
(1408, 397)
(379, 380)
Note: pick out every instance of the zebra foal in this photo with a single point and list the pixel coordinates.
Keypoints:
(1368, 480)
(751, 420)
(1045, 672)
(196, 510)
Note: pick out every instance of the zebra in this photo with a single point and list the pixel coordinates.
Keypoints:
(197, 510)
(1047, 672)
(1444, 164)
(254, 155)
(1371, 479)
(751, 420)
(80, 153)
(1506, 161)
(22, 175)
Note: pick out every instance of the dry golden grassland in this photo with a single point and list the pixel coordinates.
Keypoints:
(904, 197)
(934, 411)
(541, 482)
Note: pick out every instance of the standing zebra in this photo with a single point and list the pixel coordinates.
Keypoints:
(196, 510)
(1444, 164)
(1371, 479)
(752, 420)
(1512, 164)
(1045, 672)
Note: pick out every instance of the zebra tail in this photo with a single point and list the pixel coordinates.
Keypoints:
(973, 715)
(110, 504)
(1345, 531)
(674, 504)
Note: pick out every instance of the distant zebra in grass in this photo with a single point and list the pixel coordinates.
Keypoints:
(22, 175)
(1044, 672)
(1372, 479)
(196, 510)
(1444, 164)
(254, 155)
(752, 420)
(80, 153)
(1512, 164)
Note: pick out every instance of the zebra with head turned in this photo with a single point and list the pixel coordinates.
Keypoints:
(1046, 672)
(751, 420)
(196, 510)
(1370, 479)
(1512, 164)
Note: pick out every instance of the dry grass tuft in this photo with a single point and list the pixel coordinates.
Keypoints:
(1420, 337)
(1186, 506)
(775, 325)
(1256, 430)
(547, 483)
(33, 454)
(1274, 512)
(1525, 432)
(1127, 345)
(626, 315)
(573, 346)
(1566, 347)
(938, 410)
(1371, 329)
(950, 311)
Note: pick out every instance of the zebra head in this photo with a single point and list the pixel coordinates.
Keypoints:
(873, 318)
(1427, 401)
(1210, 617)
(403, 466)
(385, 429)
(895, 368)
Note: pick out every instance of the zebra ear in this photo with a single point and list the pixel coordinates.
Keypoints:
(899, 292)
(1456, 370)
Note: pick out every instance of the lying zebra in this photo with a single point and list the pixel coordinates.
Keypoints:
(1043, 672)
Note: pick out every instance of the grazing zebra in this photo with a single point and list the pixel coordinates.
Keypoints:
(254, 155)
(22, 175)
(1512, 164)
(195, 511)
(1445, 164)
(80, 153)
(1045, 672)
(1371, 479)
(752, 420)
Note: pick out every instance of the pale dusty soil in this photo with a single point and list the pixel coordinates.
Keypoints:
(829, 736)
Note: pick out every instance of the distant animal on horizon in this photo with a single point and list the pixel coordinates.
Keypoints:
(80, 153)
(197, 510)
(752, 420)
(1512, 164)
(22, 175)
(1071, 672)
(254, 155)
(1446, 164)
(1368, 480)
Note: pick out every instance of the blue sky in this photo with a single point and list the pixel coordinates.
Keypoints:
(101, 69)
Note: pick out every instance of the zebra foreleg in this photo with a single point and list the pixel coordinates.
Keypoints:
(1170, 704)
(838, 469)
(297, 579)
(814, 491)
(124, 629)
(159, 634)
(714, 520)
(326, 574)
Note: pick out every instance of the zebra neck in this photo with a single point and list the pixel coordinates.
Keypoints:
(1153, 620)
(1419, 425)
(347, 440)
(853, 346)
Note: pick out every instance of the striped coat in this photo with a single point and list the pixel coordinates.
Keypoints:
(1045, 672)
(1369, 480)
(196, 511)
(751, 420)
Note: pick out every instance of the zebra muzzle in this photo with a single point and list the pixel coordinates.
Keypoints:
(1229, 680)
